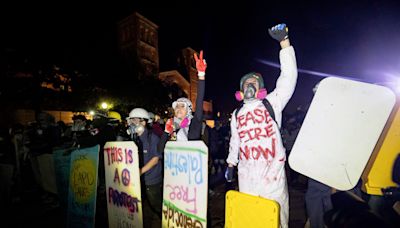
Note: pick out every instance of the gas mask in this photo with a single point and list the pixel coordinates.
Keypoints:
(135, 129)
(78, 126)
(250, 92)
(178, 123)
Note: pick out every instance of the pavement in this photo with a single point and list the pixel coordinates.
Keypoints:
(32, 208)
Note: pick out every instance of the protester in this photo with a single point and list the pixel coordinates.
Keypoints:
(256, 145)
(184, 125)
(150, 160)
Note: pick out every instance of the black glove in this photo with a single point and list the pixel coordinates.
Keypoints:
(229, 174)
(279, 32)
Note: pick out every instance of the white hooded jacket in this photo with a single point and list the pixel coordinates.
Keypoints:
(257, 143)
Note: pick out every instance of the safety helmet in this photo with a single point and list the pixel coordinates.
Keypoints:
(114, 115)
(252, 75)
(139, 113)
(100, 114)
(151, 117)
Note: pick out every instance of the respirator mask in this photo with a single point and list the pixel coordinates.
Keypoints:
(250, 92)
(135, 128)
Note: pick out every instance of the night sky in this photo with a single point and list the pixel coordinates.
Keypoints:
(359, 39)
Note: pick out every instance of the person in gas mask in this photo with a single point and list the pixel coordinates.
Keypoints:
(256, 145)
(184, 125)
(149, 159)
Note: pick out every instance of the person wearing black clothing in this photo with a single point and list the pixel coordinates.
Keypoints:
(149, 162)
(184, 126)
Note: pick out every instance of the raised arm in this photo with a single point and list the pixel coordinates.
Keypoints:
(287, 80)
(201, 67)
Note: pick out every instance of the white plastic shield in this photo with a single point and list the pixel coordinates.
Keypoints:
(340, 130)
(124, 200)
(185, 184)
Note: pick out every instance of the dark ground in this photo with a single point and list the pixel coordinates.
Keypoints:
(31, 209)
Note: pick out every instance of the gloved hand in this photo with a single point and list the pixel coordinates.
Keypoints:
(201, 64)
(229, 173)
(169, 126)
(279, 32)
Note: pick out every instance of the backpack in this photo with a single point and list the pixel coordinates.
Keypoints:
(267, 105)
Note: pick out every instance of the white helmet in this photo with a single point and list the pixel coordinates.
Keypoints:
(151, 117)
(139, 113)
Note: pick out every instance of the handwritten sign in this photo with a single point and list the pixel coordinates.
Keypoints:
(185, 184)
(47, 172)
(258, 137)
(340, 131)
(83, 187)
(62, 165)
(124, 200)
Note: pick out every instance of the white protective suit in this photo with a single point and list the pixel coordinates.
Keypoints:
(256, 136)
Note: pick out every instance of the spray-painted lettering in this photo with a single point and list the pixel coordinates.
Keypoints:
(125, 224)
(176, 218)
(256, 133)
(125, 175)
(117, 155)
(82, 181)
(116, 176)
(254, 152)
(188, 164)
(122, 199)
(181, 193)
(255, 116)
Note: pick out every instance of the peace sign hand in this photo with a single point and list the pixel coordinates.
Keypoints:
(201, 64)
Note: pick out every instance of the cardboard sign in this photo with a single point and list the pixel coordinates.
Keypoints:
(47, 172)
(185, 184)
(62, 165)
(340, 130)
(83, 187)
(124, 200)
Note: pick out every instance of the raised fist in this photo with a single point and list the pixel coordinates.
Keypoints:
(279, 32)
